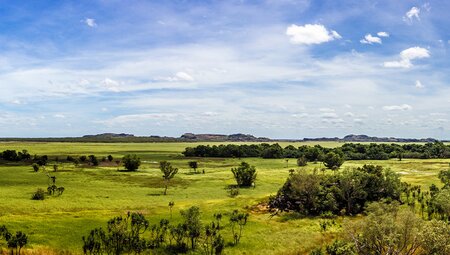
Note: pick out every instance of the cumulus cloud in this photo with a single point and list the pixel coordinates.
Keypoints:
(369, 39)
(403, 107)
(406, 56)
(90, 22)
(310, 34)
(419, 85)
(383, 34)
(412, 14)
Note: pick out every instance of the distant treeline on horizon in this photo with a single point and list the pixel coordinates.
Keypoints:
(350, 151)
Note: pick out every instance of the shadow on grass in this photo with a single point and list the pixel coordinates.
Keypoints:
(127, 171)
(155, 194)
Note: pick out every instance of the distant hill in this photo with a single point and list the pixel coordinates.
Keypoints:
(108, 135)
(374, 139)
(191, 137)
(219, 137)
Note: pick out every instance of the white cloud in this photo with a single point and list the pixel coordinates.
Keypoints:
(411, 14)
(414, 53)
(419, 85)
(369, 39)
(59, 116)
(329, 115)
(179, 76)
(310, 34)
(403, 107)
(326, 109)
(349, 114)
(358, 121)
(90, 22)
(406, 56)
(383, 34)
(111, 85)
(182, 76)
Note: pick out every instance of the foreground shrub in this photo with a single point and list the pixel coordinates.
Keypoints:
(134, 234)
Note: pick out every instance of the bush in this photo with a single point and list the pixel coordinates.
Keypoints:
(35, 167)
(302, 161)
(39, 194)
(333, 160)
(233, 191)
(93, 160)
(245, 175)
(131, 162)
(347, 191)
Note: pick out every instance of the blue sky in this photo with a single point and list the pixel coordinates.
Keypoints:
(275, 68)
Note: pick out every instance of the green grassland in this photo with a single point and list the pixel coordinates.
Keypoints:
(93, 195)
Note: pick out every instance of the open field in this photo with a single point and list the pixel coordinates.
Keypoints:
(93, 195)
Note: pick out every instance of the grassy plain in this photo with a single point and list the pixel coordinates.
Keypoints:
(94, 195)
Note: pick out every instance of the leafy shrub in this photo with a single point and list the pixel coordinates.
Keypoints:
(245, 174)
(349, 191)
(302, 161)
(233, 191)
(39, 194)
(131, 162)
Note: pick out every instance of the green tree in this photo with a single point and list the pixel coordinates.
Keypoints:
(193, 165)
(436, 238)
(444, 176)
(351, 190)
(168, 172)
(302, 161)
(192, 224)
(239, 219)
(333, 160)
(131, 162)
(245, 174)
(386, 230)
(35, 167)
(93, 160)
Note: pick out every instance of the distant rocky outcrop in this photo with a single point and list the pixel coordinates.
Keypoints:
(220, 137)
(365, 138)
(372, 139)
(108, 135)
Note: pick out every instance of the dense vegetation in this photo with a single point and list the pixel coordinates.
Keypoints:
(134, 234)
(350, 151)
(345, 192)
(393, 229)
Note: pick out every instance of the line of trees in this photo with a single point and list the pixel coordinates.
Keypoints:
(350, 151)
(134, 234)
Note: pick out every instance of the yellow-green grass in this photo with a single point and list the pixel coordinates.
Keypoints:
(93, 195)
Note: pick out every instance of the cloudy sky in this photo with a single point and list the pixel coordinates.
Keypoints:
(274, 68)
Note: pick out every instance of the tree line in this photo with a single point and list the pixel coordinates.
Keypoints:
(134, 234)
(350, 151)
